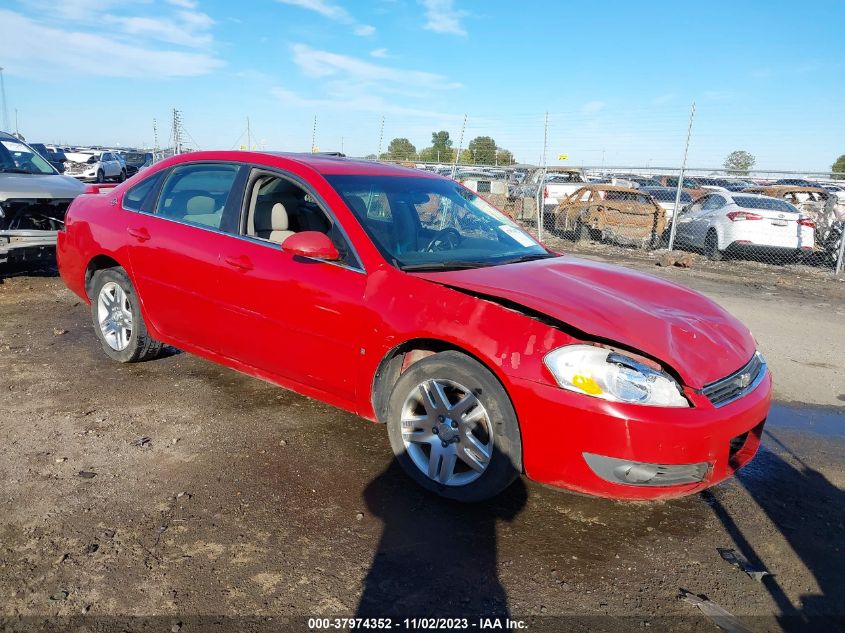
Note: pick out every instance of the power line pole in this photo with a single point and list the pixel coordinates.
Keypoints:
(3, 99)
(460, 147)
(177, 131)
(380, 138)
(341, 145)
(248, 136)
(314, 135)
(681, 181)
(541, 187)
(155, 135)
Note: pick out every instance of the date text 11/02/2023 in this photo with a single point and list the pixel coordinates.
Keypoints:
(436, 624)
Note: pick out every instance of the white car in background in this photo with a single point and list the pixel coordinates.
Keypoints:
(95, 165)
(665, 199)
(727, 222)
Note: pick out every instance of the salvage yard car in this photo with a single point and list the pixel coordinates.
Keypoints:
(558, 183)
(730, 223)
(33, 202)
(613, 213)
(405, 298)
(95, 165)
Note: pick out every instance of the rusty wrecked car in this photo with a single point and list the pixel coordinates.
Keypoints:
(611, 213)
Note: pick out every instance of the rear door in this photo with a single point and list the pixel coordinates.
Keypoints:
(685, 230)
(174, 249)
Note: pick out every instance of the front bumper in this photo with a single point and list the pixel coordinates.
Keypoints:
(23, 245)
(562, 431)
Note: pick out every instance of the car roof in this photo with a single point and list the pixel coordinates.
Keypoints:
(320, 163)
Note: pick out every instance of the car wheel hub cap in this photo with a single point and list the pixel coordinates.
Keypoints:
(447, 432)
(114, 314)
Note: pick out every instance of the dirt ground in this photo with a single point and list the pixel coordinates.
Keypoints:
(179, 495)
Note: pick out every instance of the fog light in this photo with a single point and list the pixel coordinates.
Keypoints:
(624, 471)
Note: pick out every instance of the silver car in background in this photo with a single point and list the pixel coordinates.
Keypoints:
(34, 198)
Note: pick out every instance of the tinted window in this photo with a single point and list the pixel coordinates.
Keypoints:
(667, 195)
(197, 194)
(714, 202)
(134, 198)
(772, 204)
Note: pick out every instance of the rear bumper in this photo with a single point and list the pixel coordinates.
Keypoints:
(746, 234)
(564, 433)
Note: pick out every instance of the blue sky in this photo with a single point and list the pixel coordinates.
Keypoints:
(617, 79)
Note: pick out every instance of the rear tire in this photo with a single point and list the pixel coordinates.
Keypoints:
(101, 176)
(118, 322)
(711, 247)
(469, 457)
(122, 176)
(582, 232)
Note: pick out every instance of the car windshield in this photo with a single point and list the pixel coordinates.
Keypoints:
(433, 223)
(19, 158)
(770, 204)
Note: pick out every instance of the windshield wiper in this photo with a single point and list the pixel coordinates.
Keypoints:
(15, 170)
(525, 258)
(444, 265)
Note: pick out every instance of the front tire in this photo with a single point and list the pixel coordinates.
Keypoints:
(117, 318)
(122, 176)
(453, 428)
(101, 176)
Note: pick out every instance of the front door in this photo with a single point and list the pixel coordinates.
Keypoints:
(286, 315)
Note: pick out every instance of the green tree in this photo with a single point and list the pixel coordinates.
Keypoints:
(739, 162)
(483, 150)
(466, 157)
(437, 155)
(505, 157)
(839, 166)
(401, 149)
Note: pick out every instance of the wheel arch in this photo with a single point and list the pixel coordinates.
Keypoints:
(402, 356)
(97, 263)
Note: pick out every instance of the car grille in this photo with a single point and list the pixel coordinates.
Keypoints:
(736, 385)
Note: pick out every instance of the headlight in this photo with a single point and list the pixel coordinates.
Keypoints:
(602, 373)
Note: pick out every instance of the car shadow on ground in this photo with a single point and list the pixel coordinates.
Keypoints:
(436, 557)
(46, 268)
(807, 510)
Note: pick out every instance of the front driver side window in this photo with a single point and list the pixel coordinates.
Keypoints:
(197, 194)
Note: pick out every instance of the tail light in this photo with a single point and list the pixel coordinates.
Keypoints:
(545, 192)
(807, 222)
(736, 216)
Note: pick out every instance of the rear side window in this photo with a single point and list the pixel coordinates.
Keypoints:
(772, 204)
(197, 194)
(134, 198)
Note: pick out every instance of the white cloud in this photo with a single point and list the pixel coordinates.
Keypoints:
(30, 48)
(188, 29)
(333, 12)
(443, 17)
(358, 103)
(381, 53)
(593, 106)
(317, 63)
(183, 4)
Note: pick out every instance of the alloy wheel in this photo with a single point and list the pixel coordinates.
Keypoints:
(114, 314)
(447, 432)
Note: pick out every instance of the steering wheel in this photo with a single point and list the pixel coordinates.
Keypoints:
(444, 240)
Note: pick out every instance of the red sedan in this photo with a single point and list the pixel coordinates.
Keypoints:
(407, 299)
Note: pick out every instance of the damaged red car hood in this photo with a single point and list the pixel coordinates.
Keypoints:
(669, 322)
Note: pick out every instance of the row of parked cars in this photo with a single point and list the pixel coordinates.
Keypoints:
(718, 216)
(95, 164)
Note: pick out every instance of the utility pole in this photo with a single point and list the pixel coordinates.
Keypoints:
(155, 135)
(248, 136)
(460, 147)
(17, 131)
(541, 187)
(341, 145)
(314, 135)
(3, 101)
(380, 138)
(177, 132)
(681, 181)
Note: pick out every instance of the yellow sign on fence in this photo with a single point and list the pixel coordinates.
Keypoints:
(562, 156)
